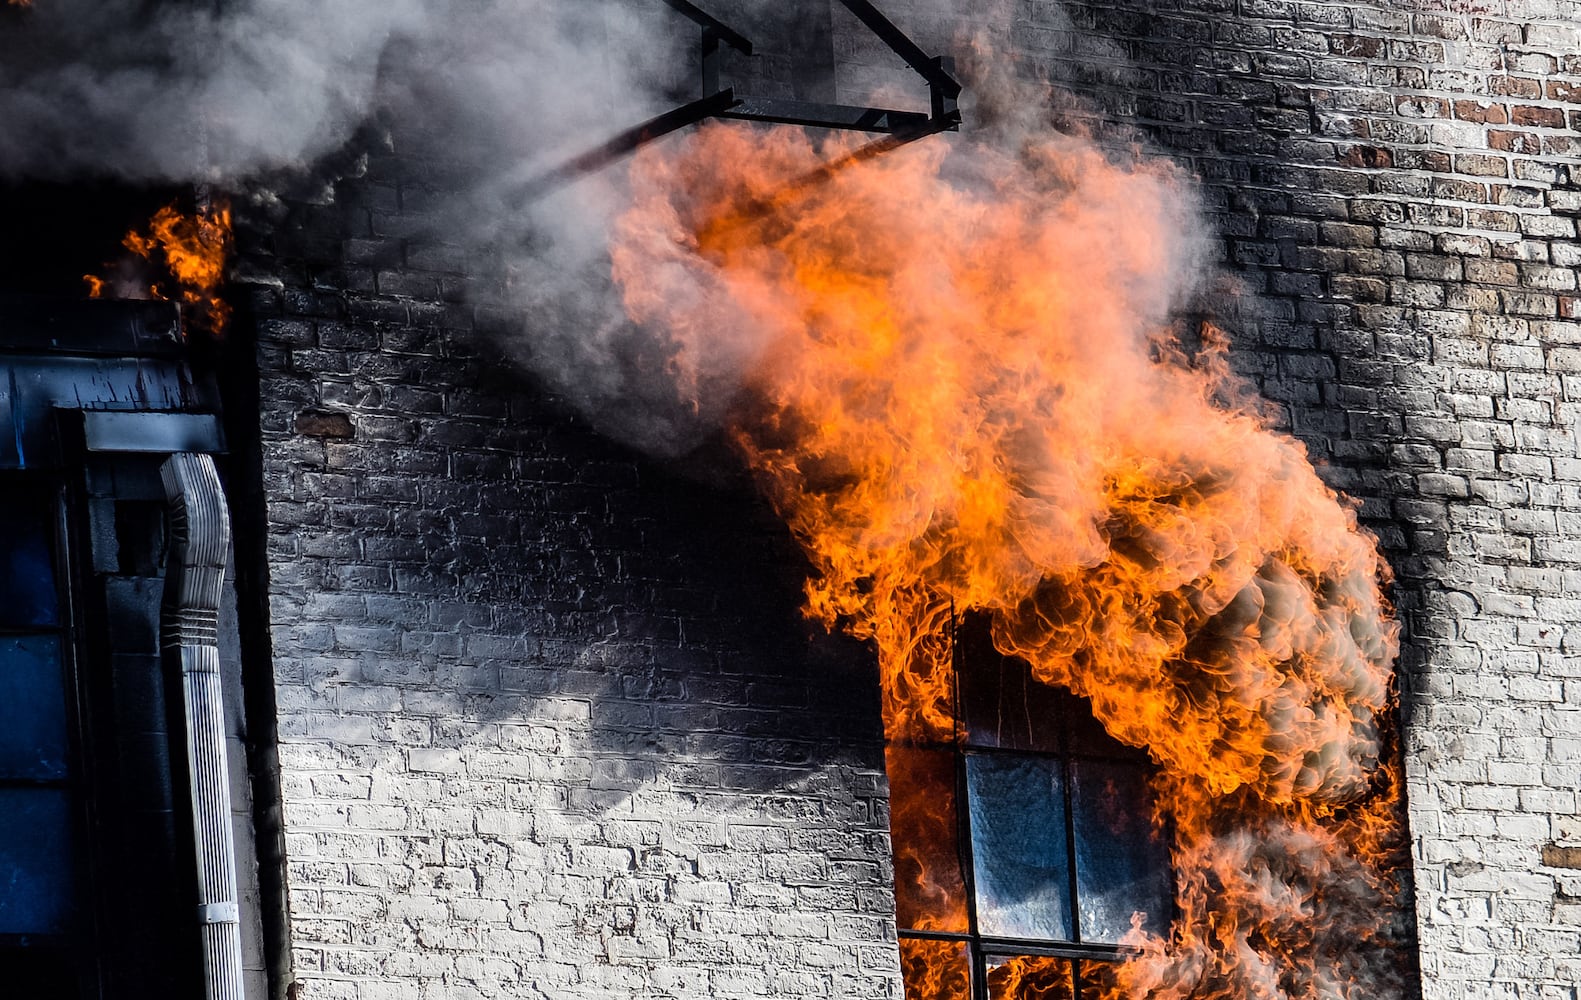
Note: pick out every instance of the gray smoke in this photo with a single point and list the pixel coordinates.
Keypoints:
(221, 92)
(487, 95)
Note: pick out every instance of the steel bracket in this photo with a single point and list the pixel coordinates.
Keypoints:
(896, 127)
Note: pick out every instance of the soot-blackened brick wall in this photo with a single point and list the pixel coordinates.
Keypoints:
(550, 721)
(1398, 186)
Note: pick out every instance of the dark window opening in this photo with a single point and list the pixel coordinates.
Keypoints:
(67, 230)
(1025, 849)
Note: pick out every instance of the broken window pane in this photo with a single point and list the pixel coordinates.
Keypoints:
(1096, 980)
(1085, 735)
(1019, 848)
(1030, 977)
(35, 860)
(1122, 864)
(27, 569)
(932, 969)
(930, 889)
(32, 708)
(1005, 707)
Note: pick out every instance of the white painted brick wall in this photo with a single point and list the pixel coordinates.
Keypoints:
(498, 785)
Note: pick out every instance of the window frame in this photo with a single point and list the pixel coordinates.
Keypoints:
(77, 942)
(985, 950)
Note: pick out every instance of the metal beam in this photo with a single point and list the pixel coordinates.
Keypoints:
(840, 116)
(709, 22)
(931, 68)
(897, 127)
(628, 142)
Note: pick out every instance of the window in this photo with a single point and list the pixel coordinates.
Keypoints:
(1023, 850)
(38, 790)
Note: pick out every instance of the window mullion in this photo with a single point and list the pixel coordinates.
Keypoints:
(1072, 881)
(977, 964)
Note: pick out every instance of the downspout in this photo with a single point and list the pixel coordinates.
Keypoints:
(200, 533)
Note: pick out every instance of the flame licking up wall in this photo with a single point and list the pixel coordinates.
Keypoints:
(965, 392)
(176, 255)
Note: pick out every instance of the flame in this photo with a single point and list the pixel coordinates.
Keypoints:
(1031, 978)
(930, 890)
(965, 390)
(189, 253)
(935, 969)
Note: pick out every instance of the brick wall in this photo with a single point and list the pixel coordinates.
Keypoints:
(549, 723)
(1398, 186)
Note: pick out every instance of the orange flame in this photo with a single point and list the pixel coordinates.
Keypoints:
(189, 253)
(930, 890)
(965, 392)
(935, 969)
(1031, 978)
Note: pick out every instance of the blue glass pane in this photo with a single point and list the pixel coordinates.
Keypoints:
(35, 860)
(1019, 850)
(1122, 865)
(27, 569)
(32, 708)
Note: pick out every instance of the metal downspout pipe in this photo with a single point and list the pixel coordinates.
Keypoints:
(200, 534)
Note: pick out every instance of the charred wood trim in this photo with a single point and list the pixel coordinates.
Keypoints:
(235, 359)
(36, 324)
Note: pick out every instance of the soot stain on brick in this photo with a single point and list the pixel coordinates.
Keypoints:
(669, 604)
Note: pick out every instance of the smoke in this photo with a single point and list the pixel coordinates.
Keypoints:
(175, 92)
(488, 95)
(179, 92)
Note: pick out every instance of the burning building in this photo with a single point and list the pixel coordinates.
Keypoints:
(1121, 549)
